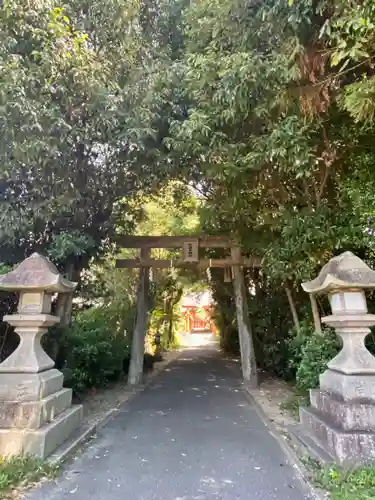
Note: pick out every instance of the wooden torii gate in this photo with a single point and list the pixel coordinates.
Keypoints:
(190, 257)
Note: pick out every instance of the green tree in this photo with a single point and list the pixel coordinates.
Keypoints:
(77, 110)
(283, 165)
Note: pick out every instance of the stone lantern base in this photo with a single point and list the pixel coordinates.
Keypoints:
(341, 419)
(36, 415)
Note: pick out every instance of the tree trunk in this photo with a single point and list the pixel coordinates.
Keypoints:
(64, 308)
(64, 304)
(248, 361)
(293, 310)
(65, 300)
(170, 328)
(140, 330)
(316, 316)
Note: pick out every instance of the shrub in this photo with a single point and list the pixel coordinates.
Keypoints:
(271, 324)
(94, 350)
(229, 340)
(273, 358)
(295, 345)
(282, 356)
(370, 341)
(148, 362)
(318, 351)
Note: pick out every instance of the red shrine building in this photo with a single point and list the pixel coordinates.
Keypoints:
(197, 309)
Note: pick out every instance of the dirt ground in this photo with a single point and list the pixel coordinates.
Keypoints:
(271, 395)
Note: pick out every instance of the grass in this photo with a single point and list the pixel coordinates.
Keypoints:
(294, 402)
(19, 471)
(344, 483)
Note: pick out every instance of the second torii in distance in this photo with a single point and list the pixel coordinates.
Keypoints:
(190, 247)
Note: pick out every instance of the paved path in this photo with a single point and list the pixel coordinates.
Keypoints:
(191, 435)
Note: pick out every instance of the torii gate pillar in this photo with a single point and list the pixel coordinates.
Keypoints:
(138, 344)
(248, 360)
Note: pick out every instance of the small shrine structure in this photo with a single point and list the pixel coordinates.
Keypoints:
(197, 310)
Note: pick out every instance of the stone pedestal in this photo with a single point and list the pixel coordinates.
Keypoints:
(345, 430)
(37, 427)
(341, 419)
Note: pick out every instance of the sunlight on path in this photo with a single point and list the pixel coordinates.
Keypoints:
(197, 339)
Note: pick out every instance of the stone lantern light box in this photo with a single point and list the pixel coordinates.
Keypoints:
(37, 279)
(341, 419)
(36, 414)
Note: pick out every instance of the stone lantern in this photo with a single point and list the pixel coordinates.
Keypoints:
(341, 419)
(36, 414)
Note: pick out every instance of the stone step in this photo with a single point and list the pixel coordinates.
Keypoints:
(346, 447)
(34, 414)
(307, 445)
(345, 415)
(41, 442)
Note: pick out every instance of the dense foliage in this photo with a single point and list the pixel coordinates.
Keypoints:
(94, 350)
(279, 123)
(78, 123)
(286, 163)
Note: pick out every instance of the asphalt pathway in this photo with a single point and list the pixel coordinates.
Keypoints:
(191, 435)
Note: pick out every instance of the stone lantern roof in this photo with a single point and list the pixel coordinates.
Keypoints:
(344, 271)
(36, 273)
